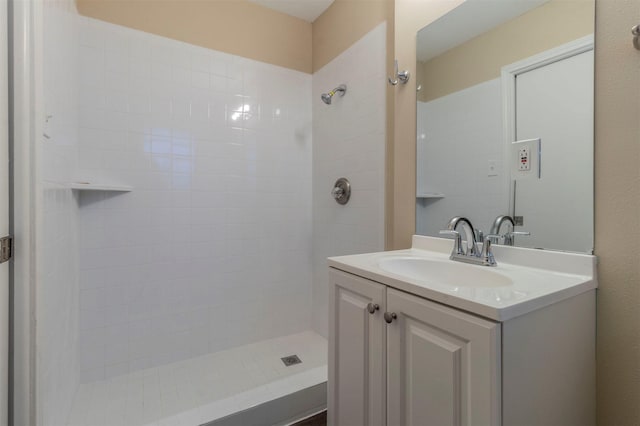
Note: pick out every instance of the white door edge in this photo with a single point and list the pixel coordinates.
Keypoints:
(27, 106)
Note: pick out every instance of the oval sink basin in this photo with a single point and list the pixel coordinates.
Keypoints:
(449, 273)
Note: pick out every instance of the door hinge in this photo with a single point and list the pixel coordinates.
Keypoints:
(6, 249)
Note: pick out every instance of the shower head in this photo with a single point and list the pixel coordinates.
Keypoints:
(326, 97)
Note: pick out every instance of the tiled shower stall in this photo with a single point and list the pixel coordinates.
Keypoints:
(212, 248)
(221, 241)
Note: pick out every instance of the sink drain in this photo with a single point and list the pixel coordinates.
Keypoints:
(291, 360)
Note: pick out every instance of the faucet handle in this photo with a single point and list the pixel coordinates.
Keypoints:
(487, 253)
(493, 238)
(519, 233)
(457, 245)
(508, 237)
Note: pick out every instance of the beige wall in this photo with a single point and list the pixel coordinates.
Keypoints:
(617, 214)
(344, 23)
(617, 190)
(238, 27)
(246, 29)
(410, 16)
(481, 58)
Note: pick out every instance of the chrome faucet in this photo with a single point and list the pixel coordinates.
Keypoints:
(469, 234)
(471, 253)
(508, 236)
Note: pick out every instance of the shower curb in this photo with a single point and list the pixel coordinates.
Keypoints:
(285, 410)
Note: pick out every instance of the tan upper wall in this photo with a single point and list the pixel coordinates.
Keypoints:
(344, 23)
(481, 58)
(238, 27)
(246, 29)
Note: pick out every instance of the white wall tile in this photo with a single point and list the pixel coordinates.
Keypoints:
(213, 248)
(58, 293)
(348, 141)
(193, 237)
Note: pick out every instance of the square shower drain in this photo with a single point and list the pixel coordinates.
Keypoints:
(291, 360)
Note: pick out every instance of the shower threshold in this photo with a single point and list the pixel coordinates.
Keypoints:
(280, 411)
(201, 390)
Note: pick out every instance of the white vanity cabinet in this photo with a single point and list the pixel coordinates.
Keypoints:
(357, 358)
(434, 365)
(441, 365)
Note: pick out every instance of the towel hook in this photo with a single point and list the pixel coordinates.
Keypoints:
(401, 76)
(636, 36)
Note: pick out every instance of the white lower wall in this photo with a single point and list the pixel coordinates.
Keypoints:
(212, 248)
(458, 135)
(348, 141)
(57, 292)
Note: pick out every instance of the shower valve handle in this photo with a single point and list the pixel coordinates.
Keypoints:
(341, 191)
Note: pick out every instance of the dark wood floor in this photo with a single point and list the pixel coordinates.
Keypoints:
(319, 419)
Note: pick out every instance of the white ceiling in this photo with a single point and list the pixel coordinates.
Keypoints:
(470, 19)
(308, 10)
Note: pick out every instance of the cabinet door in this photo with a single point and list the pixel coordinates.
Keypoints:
(443, 365)
(356, 383)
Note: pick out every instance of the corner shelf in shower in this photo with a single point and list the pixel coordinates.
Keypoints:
(430, 195)
(90, 186)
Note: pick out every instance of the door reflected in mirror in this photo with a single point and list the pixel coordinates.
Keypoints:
(505, 122)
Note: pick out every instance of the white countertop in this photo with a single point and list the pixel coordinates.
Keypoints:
(538, 277)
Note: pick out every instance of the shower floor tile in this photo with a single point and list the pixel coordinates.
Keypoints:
(198, 390)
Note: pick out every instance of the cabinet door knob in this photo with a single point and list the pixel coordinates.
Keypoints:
(390, 316)
(372, 308)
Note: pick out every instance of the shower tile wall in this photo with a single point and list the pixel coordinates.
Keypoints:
(212, 248)
(348, 141)
(57, 255)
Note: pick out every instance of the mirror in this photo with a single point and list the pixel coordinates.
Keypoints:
(505, 121)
